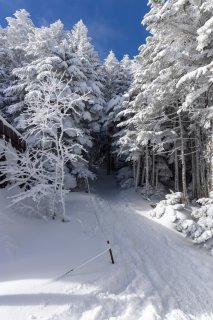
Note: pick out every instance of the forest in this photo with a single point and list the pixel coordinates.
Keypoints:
(147, 120)
(106, 166)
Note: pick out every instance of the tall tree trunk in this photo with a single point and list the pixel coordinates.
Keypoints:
(137, 178)
(143, 175)
(198, 182)
(62, 173)
(153, 168)
(134, 171)
(156, 183)
(147, 168)
(176, 169)
(210, 166)
(194, 183)
(210, 145)
(108, 157)
(203, 167)
(183, 161)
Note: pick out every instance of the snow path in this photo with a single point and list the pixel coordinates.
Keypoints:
(165, 275)
(158, 275)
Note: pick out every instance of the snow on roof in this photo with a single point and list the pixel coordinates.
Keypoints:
(10, 126)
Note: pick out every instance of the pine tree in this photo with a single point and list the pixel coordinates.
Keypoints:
(52, 51)
(155, 100)
(199, 96)
(14, 39)
(91, 67)
(118, 80)
(54, 159)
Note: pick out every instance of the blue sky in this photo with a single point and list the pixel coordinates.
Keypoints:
(112, 24)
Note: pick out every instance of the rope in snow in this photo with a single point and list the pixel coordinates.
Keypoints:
(109, 249)
(66, 274)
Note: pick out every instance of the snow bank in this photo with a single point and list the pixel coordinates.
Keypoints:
(170, 206)
(195, 223)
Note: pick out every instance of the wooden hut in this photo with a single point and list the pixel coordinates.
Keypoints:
(11, 135)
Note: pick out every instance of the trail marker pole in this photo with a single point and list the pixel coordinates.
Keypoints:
(110, 252)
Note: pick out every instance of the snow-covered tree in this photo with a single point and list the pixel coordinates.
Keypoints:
(54, 159)
(91, 68)
(5, 68)
(71, 56)
(155, 99)
(92, 83)
(40, 47)
(199, 92)
(13, 39)
(118, 80)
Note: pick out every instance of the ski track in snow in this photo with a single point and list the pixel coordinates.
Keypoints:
(158, 275)
(169, 277)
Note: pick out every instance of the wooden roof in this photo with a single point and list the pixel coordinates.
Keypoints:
(10, 134)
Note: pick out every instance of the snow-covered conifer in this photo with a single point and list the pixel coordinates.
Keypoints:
(54, 159)
(93, 75)
(118, 80)
(14, 39)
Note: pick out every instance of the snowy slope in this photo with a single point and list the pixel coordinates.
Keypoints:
(157, 275)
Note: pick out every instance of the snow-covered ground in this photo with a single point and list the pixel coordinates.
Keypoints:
(157, 275)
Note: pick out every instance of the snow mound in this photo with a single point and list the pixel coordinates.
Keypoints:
(170, 206)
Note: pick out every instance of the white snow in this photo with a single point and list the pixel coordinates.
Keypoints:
(158, 274)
